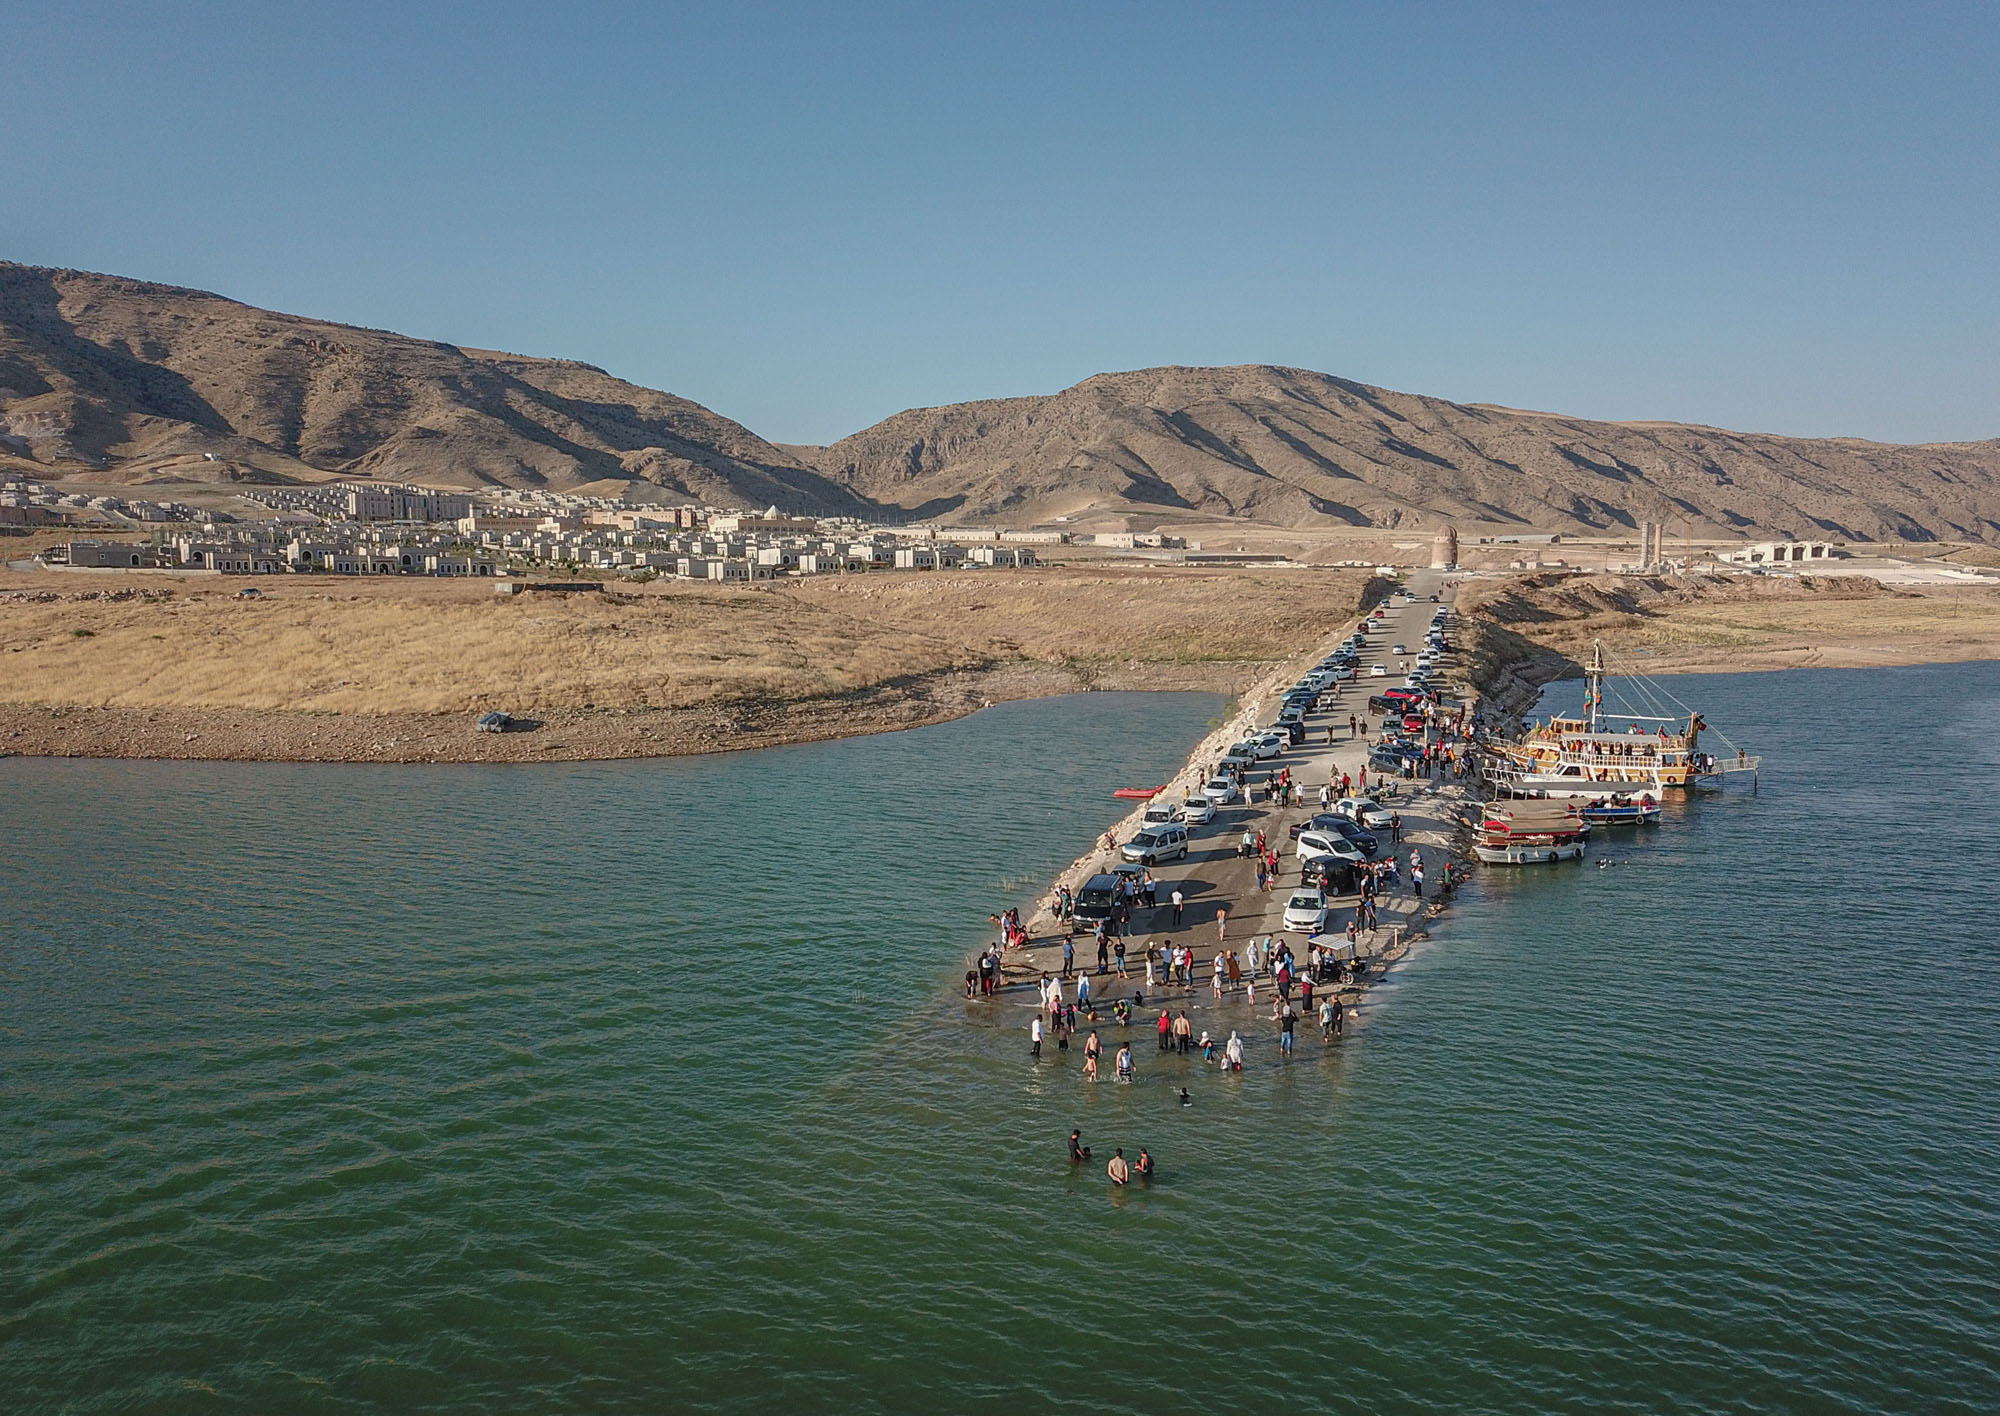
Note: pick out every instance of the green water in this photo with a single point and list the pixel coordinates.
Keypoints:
(645, 1087)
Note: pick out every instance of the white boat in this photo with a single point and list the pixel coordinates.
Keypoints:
(1530, 833)
(1529, 853)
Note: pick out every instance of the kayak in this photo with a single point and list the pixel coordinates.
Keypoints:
(1139, 793)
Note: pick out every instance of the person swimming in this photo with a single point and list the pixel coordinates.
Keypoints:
(1144, 1169)
(1186, 1100)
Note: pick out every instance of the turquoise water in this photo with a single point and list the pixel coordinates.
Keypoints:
(645, 1087)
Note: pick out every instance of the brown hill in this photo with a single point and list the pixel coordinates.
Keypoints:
(101, 372)
(142, 382)
(1299, 448)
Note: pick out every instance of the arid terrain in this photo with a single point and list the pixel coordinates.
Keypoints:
(158, 665)
(106, 379)
(1537, 627)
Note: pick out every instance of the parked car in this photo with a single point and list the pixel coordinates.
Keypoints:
(1378, 671)
(1269, 744)
(1365, 810)
(1400, 649)
(1099, 898)
(1319, 843)
(1197, 810)
(1222, 791)
(1307, 911)
(1159, 813)
(494, 722)
(1241, 756)
(1330, 873)
(1156, 844)
(1358, 836)
(1295, 731)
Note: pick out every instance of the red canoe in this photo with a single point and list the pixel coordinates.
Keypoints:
(1139, 793)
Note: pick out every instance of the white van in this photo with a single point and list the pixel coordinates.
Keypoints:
(1155, 844)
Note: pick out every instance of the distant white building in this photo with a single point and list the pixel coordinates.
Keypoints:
(1781, 553)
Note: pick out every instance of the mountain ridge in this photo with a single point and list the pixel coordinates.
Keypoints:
(1298, 447)
(123, 378)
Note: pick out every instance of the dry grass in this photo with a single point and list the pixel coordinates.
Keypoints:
(428, 646)
(1090, 614)
(1746, 622)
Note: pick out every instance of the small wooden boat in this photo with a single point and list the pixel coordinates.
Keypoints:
(1530, 833)
(1139, 793)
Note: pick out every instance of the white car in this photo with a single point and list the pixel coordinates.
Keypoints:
(1400, 649)
(1197, 811)
(1269, 744)
(1221, 791)
(1378, 671)
(1329, 843)
(1156, 844)
(1364, 812)
(1160, 813)
(1307, 911)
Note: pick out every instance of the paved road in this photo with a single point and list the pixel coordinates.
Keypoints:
(1214, 876)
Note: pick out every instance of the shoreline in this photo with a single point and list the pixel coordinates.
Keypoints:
(580, 735)
(1506, 672)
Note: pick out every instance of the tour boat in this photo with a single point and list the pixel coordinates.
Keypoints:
(1582, 757)
(1530, 833)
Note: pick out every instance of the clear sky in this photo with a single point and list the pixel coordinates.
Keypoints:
(811, 216)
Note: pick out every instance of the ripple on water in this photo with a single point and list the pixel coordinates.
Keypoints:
(611, 1087)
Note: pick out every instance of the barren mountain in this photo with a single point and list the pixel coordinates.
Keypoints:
(141, 382)
(1298, 448)
(106, 373)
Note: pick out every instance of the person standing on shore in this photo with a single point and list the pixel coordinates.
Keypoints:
(1395, 828)
(1221, 925)
(1069, 956)
(1178, 903)
(1118, 952)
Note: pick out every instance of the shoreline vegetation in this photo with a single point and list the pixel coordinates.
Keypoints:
(397, 670)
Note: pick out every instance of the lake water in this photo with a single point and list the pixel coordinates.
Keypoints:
(644, 1087)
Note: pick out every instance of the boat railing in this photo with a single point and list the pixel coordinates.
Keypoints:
(1741, 762)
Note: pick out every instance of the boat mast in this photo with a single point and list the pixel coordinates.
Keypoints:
(1593, 691)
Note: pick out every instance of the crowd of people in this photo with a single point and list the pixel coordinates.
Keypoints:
(1159, 983)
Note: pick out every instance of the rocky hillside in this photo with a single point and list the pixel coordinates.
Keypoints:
(133, 381)
(1298, 448)
(99, 372)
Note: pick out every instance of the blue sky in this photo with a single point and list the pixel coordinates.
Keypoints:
(811, 216)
